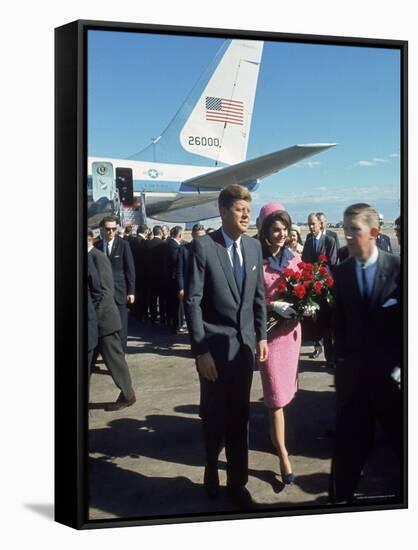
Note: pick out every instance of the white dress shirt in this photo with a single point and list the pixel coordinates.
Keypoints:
(229, 246)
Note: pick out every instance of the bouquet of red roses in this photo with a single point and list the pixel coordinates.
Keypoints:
(304, 289)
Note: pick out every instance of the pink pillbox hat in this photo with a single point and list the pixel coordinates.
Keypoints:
(268, 209)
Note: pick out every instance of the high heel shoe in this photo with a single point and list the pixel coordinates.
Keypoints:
(288, 479)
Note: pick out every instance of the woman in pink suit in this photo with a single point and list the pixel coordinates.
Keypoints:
(279, 373)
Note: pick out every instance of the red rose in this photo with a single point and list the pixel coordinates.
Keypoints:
(330, 281)
(300, 291)
(301, 265)
(323, 270)
(288, 272)
(309, 267)
(322, 258)
(318, 286)
(306, 284)
(296, 275)
(308, 276)
(281, 287)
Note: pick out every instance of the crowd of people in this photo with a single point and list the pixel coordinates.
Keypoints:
(221, 287)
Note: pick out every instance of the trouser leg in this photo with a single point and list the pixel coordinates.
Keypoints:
(212, 413)
(110, 347)
(123, 311)
(236, 420)
(353, 438)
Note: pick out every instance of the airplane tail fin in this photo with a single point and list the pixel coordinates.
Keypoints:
(213, 125)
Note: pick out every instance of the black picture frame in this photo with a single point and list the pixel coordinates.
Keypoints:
(71, 391)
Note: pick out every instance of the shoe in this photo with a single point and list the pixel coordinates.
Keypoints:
(317, 352)
(241, 497)
(288, 479)
(121, 403)
(211, 482)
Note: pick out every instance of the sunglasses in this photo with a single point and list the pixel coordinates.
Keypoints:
(110, 228)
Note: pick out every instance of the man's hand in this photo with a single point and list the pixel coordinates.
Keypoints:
(206, 367)
(131, 298)
(262, 350)
(181, 294)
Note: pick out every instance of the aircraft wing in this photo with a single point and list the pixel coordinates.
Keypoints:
(252, 170)
(187, 207)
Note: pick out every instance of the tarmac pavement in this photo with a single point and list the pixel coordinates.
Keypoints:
(146, 461)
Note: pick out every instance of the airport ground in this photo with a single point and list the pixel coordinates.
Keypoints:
(146, 461)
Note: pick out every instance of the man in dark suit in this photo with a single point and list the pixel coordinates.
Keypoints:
(109, 325)
(139, 252)
(175, 314)
(368, 350)
(226, 314)
(119, 253)
(318, 244)
(382, 240)
(156, 270)
(94, 297)
(325, 231)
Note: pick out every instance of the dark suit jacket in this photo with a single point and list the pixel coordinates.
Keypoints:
(183, 258)
(219, 320)
(123, 268)
(139, 253)
(94, 297)
(156, 266)
(108, 317)
(334, 236)
(173, 250)
(368, 341)
(327, 247)
(383, 242)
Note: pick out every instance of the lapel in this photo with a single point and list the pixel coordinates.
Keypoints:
(247, 264)
(226, 263)
(379, 280)
(321, 245)
(352, 282)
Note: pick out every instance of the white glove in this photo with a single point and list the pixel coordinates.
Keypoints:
(284, 309)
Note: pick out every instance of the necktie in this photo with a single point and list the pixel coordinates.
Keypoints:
(364, 284)
(236, 266)
(108, 250)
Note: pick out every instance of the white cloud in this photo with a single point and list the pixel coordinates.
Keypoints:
(323, 189)
(379, 160)
(365, 163)
(395, 155)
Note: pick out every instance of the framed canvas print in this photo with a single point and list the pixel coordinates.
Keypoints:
(230, 274)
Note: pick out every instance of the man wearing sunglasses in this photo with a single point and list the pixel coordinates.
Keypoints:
(120, 256)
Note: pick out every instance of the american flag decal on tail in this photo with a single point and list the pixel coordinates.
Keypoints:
(224, 110)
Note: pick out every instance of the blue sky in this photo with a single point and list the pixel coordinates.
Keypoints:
(306, 94)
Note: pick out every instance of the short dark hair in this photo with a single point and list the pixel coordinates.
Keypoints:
(233, 193)
(108, 219)
(128, 229)
(90, 233)
(157, 230)
(398, 221)
(175, 231)
(280, 216)
(142, 228)
(197, 227)
(318, 214)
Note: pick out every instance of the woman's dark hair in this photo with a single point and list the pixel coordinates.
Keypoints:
(296, 230)
(279, 216)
